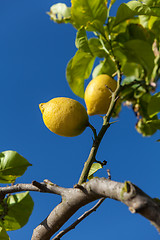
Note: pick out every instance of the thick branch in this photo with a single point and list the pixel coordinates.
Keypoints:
(75, 198)
(80, 219)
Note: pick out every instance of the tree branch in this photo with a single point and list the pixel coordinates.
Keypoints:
(80, 219)
(96, 188)
(34, 186)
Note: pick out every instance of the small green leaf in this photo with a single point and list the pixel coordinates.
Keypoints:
(60, 13)
(94, 168)
(12, 165)
(78, 69)
(154, 123)
(144, 128)
(20, 207)
(105, 67)
(95, 26)
(82, 41)
(87, 11)
(3, 234)
(97, 48)
(133, 8)
(154, 105)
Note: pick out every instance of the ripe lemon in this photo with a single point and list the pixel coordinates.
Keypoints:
(64, 116)
(98, 94)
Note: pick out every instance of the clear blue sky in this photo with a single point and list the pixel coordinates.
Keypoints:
(34, 52)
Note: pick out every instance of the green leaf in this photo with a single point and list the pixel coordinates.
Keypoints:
(94, 168)
(60, 13)
(3, 234)
(144, 128)
(86, 11)
(132, 69)
(78, 69)
(152, 3)
(154, 105)
(154, 123)
(82, 41)
(154, 25)
(96, 26)
(133, 8)
(20, 207)
(12, 165)
(143, 105)
(140, 52)
(97, 48)
(105, 67)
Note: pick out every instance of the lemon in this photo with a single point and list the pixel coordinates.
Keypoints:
(98, 94)
(64, 116)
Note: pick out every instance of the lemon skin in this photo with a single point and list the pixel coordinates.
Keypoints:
(64, 116)
(98, 94)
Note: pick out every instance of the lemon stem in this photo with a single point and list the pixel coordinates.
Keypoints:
(105, 126)
(93, 130)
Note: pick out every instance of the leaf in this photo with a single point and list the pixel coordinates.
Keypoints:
(132, 69)
(144, 128)
(140, 52)
(60, 13)
(20, 207)
(3, 234)
(154, 123)
(87, 11)
(95, 26)
(105, 67)
(82, 41)
(154, 105)
(133, 8)
(94, 168)
(12, 165)
(97, 48)
(152, 3)
(78, 69)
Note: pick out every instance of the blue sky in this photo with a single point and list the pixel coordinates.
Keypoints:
(34, 52)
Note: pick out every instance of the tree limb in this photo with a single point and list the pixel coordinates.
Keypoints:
(80, 219)
(79, 196)
(96, 188)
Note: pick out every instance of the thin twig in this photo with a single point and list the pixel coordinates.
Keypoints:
(94, 130)
(80, 219)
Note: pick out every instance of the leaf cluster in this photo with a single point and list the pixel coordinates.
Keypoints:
(131, 38)
(16, 209)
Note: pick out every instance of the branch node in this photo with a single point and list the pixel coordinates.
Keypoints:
(79, 187)
(132, 210)
(109, 174)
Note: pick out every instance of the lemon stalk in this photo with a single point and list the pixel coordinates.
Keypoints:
(105, 126)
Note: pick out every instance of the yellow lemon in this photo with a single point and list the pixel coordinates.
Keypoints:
(64, 116)
(98, 94)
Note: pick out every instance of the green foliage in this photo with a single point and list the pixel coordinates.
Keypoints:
(94, 168)
(15, 211)
(12, 165)
(79, 69)
(131, 38)
(86, 12)
(154, 105)
(3, 234)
